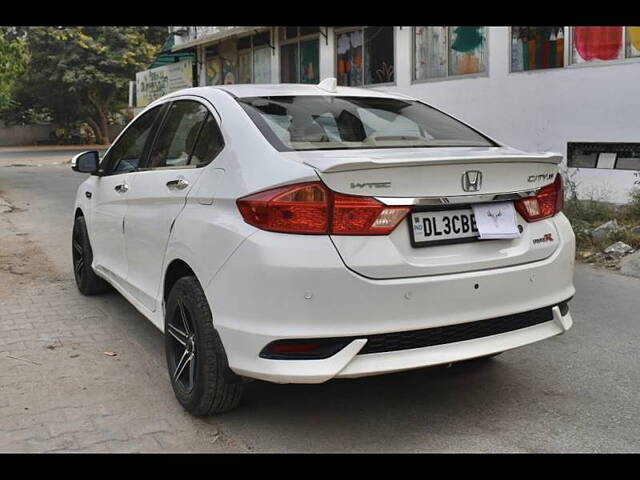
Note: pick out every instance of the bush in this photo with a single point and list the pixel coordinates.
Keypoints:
(632, 209)
(587, 214)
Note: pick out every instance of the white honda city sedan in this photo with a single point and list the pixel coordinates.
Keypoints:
(299, 233)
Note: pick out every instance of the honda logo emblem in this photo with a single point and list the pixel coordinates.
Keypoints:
(471, 181)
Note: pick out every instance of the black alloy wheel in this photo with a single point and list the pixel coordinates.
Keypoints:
(197, 363)
(82, 255)
(182, 350)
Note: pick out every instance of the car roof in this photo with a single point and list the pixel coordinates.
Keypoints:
(287, 89)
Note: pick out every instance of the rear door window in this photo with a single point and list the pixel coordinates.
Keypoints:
(177, 137)
(209, 143)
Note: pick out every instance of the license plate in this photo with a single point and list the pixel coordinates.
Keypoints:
(444, 226)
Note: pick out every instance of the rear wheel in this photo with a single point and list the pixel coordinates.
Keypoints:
(197, 363)
(86, 279)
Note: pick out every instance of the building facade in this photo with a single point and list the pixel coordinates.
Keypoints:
(572, 90)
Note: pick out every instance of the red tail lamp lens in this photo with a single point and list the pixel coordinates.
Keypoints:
(302, 208)
(313, 208)
(548, 201)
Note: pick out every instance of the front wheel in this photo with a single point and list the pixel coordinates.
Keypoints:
(86, 279)
(197, 363)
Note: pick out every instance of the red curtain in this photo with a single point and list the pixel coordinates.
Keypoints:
(598, 43)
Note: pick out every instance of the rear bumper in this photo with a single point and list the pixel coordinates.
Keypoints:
(387, 362)
(278, 286)
(348, 363)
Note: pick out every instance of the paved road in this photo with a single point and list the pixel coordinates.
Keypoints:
(578, 392)
(38, 156)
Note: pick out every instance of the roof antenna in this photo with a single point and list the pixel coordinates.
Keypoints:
(328, 85)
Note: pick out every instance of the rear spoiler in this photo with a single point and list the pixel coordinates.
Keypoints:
(329, 165)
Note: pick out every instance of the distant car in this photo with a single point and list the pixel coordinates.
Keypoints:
(299, 233)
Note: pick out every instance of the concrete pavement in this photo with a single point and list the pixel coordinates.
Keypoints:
(59, 391)
(43, 155)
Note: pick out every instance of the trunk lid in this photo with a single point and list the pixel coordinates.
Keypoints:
(434, 176)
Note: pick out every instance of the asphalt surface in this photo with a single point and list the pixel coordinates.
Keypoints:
(578, 392)
(19, 156)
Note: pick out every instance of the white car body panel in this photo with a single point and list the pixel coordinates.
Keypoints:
(107, 216)
(264, 286)
(392, 256)
(152, 208)
(341, 301)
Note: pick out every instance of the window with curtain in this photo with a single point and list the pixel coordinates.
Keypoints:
(289, 63)
(214, 71)
(535, 48)
(595, 44)
(441, 52)
(244, 67)
(378, 54)
(262, 65)
(310, 61)
(213, 66)
(633, 42)
(299, 55)
(430, 52)
(467, 50)
(365, 56)
(254, 58)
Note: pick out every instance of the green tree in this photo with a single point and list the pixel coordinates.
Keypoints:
(82, 73)
(13, 63)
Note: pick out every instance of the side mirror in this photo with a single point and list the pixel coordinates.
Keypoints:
(85, 162)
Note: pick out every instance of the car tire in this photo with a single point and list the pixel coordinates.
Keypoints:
(86, 279)
(198, 367)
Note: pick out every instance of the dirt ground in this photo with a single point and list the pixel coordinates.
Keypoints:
(22, 262)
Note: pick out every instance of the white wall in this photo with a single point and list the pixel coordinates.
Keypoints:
(24, 134)
(536, 110)
(539, 109)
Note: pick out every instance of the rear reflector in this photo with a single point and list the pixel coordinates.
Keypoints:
(311, 349)
(548, 201)
(314, 209)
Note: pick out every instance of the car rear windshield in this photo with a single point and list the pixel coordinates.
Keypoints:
(326, 122)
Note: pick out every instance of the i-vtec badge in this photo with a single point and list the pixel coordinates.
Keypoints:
(540, 178)
(371, 185)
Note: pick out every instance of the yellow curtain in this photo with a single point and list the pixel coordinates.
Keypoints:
(634, 36)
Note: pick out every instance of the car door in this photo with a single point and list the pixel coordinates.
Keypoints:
(158, 194)
(110, 195)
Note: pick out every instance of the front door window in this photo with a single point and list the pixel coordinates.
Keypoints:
(125, 155)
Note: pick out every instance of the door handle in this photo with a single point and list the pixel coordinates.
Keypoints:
(178, 184)
(122, 188)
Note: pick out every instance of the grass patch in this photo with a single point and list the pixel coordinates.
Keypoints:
(588, 213)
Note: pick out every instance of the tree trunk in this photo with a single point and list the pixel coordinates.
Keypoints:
(104, 127)
(96, 130)
(99, 122)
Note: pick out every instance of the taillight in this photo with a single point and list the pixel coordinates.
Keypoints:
(313, 208)
(548, 201)
(302, 208)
